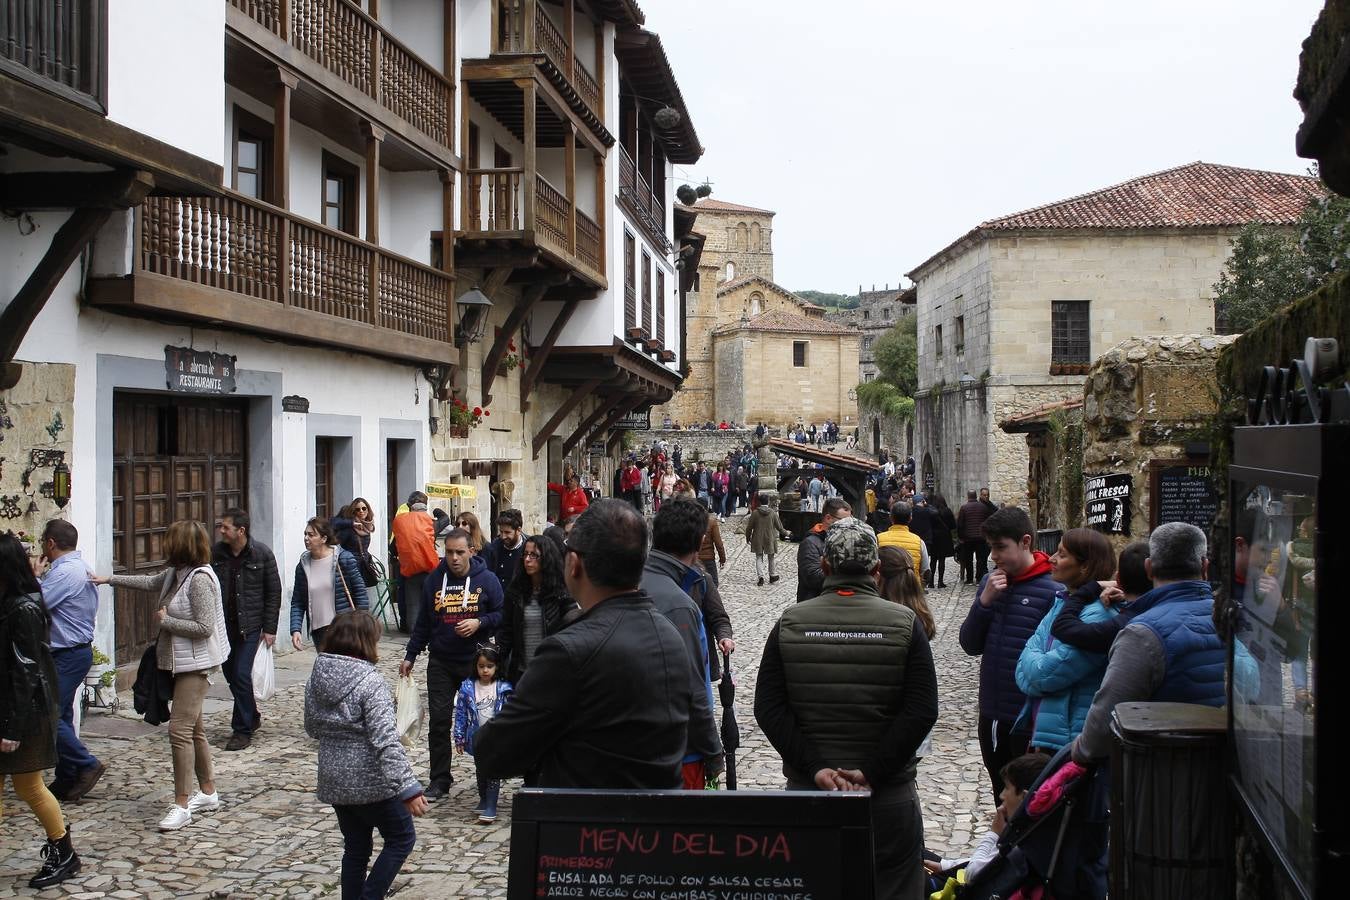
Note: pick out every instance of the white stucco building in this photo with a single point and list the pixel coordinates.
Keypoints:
(286, 211)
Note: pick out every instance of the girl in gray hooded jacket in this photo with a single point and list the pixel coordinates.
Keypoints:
(363, 771)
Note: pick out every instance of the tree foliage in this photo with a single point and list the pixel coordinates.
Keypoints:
(1270, 268)
(833, 301)
(886, 399)
(897, 355)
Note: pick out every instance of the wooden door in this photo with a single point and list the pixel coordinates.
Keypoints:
(172, 459)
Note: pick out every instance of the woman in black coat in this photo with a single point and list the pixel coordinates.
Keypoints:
(30, 706)
(534, 605)
(943, 544)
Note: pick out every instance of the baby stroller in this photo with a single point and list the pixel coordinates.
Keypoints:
(1054, 848)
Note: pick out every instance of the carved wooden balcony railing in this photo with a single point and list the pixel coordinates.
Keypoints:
(642, 202)
(58, 44)
(521, 31)
(338, 35)
(495, 205)
(237, 244)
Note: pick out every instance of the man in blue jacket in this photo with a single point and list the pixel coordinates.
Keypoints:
(1009, 604)
(461, 608)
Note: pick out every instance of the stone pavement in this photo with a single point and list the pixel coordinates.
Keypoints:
(272, 838)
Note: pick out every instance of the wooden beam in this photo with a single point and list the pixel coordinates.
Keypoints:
(623, 409)
(494, 256)
(569, 36)
(66, 246)
(528, 298)
(600, 57)
(602, 408)
(281, 138)
(528, 94)
(600, 203)
(570, 179)
(496, 280)
(374, 136)
(540, 355)
(541, 437)
(32, 191)
(450, 59)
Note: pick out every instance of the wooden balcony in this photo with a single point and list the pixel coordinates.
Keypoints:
(523, 27)
(231, 259)
(357, 53)
(59, 46)
(508, 204)
(644, 204)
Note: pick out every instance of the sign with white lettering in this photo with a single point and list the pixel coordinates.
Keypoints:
(198, 371)
(766, 845)
(635, 421)
(1106, 500)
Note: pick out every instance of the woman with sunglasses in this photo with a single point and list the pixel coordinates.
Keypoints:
(354, 524)
(535, 604)
(469, 522)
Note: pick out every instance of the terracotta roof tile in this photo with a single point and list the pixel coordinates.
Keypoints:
(1196, 195)
(723, 206)
(779, 320)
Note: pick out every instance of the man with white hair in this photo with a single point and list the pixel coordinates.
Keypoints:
(1170, 650)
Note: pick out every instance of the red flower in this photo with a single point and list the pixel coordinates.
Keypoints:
(477, 410)
(486, 413)
(511, 345)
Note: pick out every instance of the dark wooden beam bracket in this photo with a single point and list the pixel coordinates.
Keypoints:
(528, 298)
(543, 434)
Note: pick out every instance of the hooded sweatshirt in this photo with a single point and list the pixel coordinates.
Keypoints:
(349, 711)
(444, 605)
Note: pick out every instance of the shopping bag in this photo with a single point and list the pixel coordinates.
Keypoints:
(408, 715)
(264, 674)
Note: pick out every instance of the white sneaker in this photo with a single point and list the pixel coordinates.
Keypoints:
(176, 818)
(200, 802)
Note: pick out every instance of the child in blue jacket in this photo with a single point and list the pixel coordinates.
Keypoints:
(479, 699)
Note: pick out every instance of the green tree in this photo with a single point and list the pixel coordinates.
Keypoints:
(834, 301)
(1270, 268)
(897, 355)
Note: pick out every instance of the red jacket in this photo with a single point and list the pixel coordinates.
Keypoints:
(631, 479)
(574, 502)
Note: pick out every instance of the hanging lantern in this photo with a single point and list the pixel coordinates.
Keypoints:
(61, 484)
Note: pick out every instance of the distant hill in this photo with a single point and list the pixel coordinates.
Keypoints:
(834, 301)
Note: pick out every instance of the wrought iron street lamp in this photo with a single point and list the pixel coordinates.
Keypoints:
(967, 383)
(61, 484)
(473, 306)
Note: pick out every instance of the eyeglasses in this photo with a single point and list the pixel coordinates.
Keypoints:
(532, 555)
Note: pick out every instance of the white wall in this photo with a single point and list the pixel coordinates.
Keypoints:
(420, 26)
(473, 29)
(166, 60)
(410, 209)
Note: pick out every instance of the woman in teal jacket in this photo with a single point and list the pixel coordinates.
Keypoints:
(1059, 679)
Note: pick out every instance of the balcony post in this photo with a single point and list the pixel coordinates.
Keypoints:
(600, 66)
(284, 20)
(570, 164)
(376, 45)
(374, 135)
(569, 23)
(527, 26)
(527, 188)
(448, 220)
(281, 163)
(448, 67)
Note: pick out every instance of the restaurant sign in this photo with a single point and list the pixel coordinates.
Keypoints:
(199, 371)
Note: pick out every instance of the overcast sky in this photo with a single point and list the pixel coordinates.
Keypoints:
(881, 130)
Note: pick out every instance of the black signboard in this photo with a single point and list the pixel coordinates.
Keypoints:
(769, 845)
(635, 421)
(1184, 493)
(1106, 499)
(198, 371)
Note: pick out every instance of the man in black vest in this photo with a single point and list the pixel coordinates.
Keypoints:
(865, 655)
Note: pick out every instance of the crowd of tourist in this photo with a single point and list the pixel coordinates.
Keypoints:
(584, 656)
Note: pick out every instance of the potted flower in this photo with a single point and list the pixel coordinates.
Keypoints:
(511, 360)
(462, 417)
(98, 684)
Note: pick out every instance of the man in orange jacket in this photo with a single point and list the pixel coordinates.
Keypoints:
(415, 541)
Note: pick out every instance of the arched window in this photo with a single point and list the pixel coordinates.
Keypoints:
(754, 237)
(756, 303)
(742, 237)
(731, 270)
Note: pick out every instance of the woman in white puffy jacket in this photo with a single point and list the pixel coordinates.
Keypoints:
(192, 644)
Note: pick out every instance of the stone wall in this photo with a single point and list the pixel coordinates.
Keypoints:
(731, 238)
(960, 287)
(897, 435)
(36, 427)
(1144, 400)
(708, 444)
(776, 391)
(951, 439)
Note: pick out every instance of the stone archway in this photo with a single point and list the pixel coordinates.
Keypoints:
(929, 475)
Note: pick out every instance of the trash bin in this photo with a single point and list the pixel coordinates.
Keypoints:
(1171, 824)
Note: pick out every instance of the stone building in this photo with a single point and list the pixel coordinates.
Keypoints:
(876, 313)
(1012, 313)
(743, 332)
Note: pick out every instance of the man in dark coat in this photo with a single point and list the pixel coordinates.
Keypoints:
(973, 550)
(250, 589)
(810, 552)
(922, 521)
(1009, 604)
(607, 701)
(502, 555)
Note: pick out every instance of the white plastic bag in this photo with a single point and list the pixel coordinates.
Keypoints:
(264, 674)
(408, 716)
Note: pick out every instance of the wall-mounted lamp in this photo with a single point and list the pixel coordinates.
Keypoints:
(473, 305)
(967, 382)
(61, 484)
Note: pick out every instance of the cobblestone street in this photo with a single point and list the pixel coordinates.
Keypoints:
(272, 838)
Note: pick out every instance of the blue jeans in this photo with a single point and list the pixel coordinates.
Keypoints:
(72, 665)
(392, 819)
(238, 671)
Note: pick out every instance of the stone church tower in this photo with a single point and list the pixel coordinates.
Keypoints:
(740, 326)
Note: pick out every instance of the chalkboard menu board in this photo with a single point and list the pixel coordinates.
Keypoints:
(1184, 493)
(1107, 502)
(769, 845)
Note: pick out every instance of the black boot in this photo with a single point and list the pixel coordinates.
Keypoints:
(59, 862)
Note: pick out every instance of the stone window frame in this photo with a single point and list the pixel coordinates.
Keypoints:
(804, 347)
(1070, 353)
(937, 340)
(959, 333)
